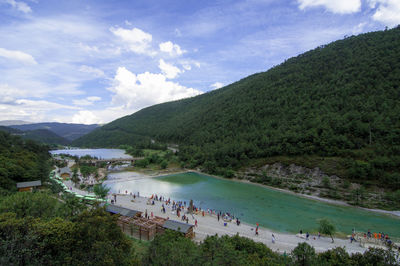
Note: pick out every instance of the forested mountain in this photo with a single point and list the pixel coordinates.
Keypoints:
(68, 131)
(339, 100)
(40, 135)
(10, 130)
(45, 136)
(21, 160)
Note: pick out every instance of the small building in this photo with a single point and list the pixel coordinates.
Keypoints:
(138, 227)
(65, 172)
(159, 221)
(29, 186)
(184, 228)
(123, 211)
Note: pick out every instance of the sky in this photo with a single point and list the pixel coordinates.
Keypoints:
(93, 61)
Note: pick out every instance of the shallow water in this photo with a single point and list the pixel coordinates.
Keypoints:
(99, 153)
(254, 204)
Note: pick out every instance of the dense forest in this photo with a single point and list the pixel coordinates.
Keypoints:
(339, 100)
(21, 160)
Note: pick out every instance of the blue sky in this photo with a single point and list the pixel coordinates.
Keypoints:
(94, 61)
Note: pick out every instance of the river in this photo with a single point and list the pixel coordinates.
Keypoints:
(99, 153)
(273, 209)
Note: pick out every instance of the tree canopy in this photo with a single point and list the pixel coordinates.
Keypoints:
(22, 160)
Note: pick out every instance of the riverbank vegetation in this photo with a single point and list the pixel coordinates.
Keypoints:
(153, 159)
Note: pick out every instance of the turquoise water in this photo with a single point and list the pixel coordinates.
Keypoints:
(255, 204)
(99, 153)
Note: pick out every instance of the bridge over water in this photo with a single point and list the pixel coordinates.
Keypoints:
(113, 160)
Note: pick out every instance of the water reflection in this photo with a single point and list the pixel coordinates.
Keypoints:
(255, 204)
(99, 153)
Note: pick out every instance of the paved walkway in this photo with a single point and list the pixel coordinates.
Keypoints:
(209, 225)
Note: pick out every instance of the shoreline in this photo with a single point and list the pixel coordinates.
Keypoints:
(395, 214)
(209, 225)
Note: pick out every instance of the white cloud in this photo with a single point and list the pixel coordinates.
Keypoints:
(359, 28)
(19, 5)
(134, 92)
(93, 98)
(171, 48)
(216, 85)
(187, 64)
(334, 6)
(31, 110)
(87, 101)
(88, 48)
(136, 40)
(387, 12)
(98, 73)
(18, 56)
(85, 117)
(9, 94)
(170, 71)
(41, 104)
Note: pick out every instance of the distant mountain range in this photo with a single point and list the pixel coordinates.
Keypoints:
(49, 133)
(68, 131)
(7, 123)
(39, 135)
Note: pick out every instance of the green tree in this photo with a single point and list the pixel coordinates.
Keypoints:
(336, 256)
(358, 195)
(163, 164)
(87, 170)
(303, 254)
(171, 248)
(143, 163)
(325, 182)
(327, 228)
(101, 190)
(91, 238)
(75, 178)
(35, 204)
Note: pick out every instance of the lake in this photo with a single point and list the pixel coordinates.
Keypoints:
(99, 153)
(270, 208)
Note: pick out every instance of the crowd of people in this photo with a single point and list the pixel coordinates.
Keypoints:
(380, 236)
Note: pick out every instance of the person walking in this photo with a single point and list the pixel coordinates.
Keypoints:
(273, 239)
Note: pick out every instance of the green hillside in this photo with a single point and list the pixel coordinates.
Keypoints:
(21, 160)
(45, 136)
(341, 100)
(40, 135)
